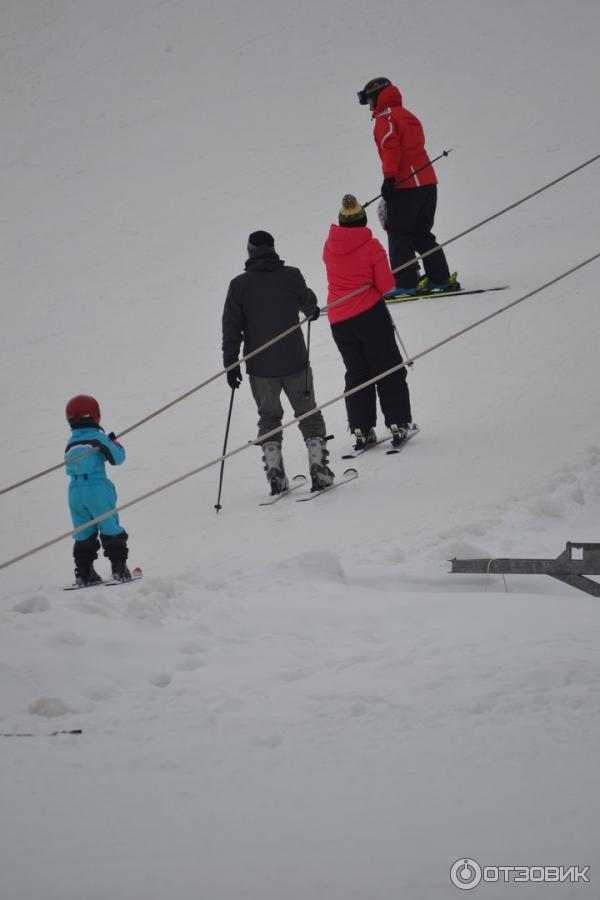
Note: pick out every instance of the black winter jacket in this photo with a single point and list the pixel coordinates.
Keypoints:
(261, 303)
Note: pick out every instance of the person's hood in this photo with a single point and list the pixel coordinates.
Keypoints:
(263, 259)
(389, 96)
(343, 240)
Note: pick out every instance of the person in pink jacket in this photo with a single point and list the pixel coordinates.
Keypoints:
(362, 326)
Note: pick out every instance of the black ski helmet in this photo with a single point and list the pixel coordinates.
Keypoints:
(372, 89)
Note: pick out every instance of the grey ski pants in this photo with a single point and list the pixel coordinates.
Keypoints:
(267, 393)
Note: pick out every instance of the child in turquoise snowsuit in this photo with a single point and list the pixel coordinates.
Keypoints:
(91, 493)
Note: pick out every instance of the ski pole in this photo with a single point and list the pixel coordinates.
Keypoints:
(410, 364)
(306, 387)
(218, 503)
(407, 356)
(408, 177)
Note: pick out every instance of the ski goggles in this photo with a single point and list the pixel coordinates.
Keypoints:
(362, 97)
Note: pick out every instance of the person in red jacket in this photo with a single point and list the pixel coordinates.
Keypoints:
(362, 326)
(409, 190)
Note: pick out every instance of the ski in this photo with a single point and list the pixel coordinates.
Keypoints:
(354, 453)
(432, 294)
(349, 475)
(81, 587)
(296, 482)
(400, 447)
(135, 576)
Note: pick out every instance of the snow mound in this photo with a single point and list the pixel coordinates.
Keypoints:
(50, 708)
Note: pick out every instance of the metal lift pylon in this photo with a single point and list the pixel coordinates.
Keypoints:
(565, 567)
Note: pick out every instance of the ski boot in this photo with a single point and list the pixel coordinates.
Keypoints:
(318, 457)
(84, 554)
(400, 292)
(86, 575)
(364, 437)
(401, 433)
(273, 461)
(427, 286)
(120, 572)
(115, 548)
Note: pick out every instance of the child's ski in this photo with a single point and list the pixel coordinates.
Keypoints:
(135, 576)
(81, 587)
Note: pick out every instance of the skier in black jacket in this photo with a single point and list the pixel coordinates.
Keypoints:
(261, 303)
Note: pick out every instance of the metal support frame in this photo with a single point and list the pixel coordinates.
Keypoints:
(564, 568)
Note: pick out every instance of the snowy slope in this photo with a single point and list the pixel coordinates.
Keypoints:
(297, 701)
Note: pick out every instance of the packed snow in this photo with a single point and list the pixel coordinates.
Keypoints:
(296, 701)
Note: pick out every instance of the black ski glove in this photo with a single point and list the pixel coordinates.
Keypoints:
(387, 188)
(314, 315)
(234, 378)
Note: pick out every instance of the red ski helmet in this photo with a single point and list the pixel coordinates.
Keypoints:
(83, 407)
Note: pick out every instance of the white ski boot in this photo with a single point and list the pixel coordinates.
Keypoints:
(318, 457)
(273, 461)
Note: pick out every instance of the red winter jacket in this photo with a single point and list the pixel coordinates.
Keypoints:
(401, 142)
(354, 258)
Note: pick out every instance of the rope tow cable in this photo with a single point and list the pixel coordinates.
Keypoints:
(214, 462)
(292, 328)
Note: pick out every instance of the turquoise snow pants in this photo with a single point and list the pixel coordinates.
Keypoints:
(89, 499)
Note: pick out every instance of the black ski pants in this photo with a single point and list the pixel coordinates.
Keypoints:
(267, 395)
(368, 346)
(410, 213)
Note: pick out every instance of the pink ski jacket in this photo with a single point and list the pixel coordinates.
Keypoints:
(354, 259)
